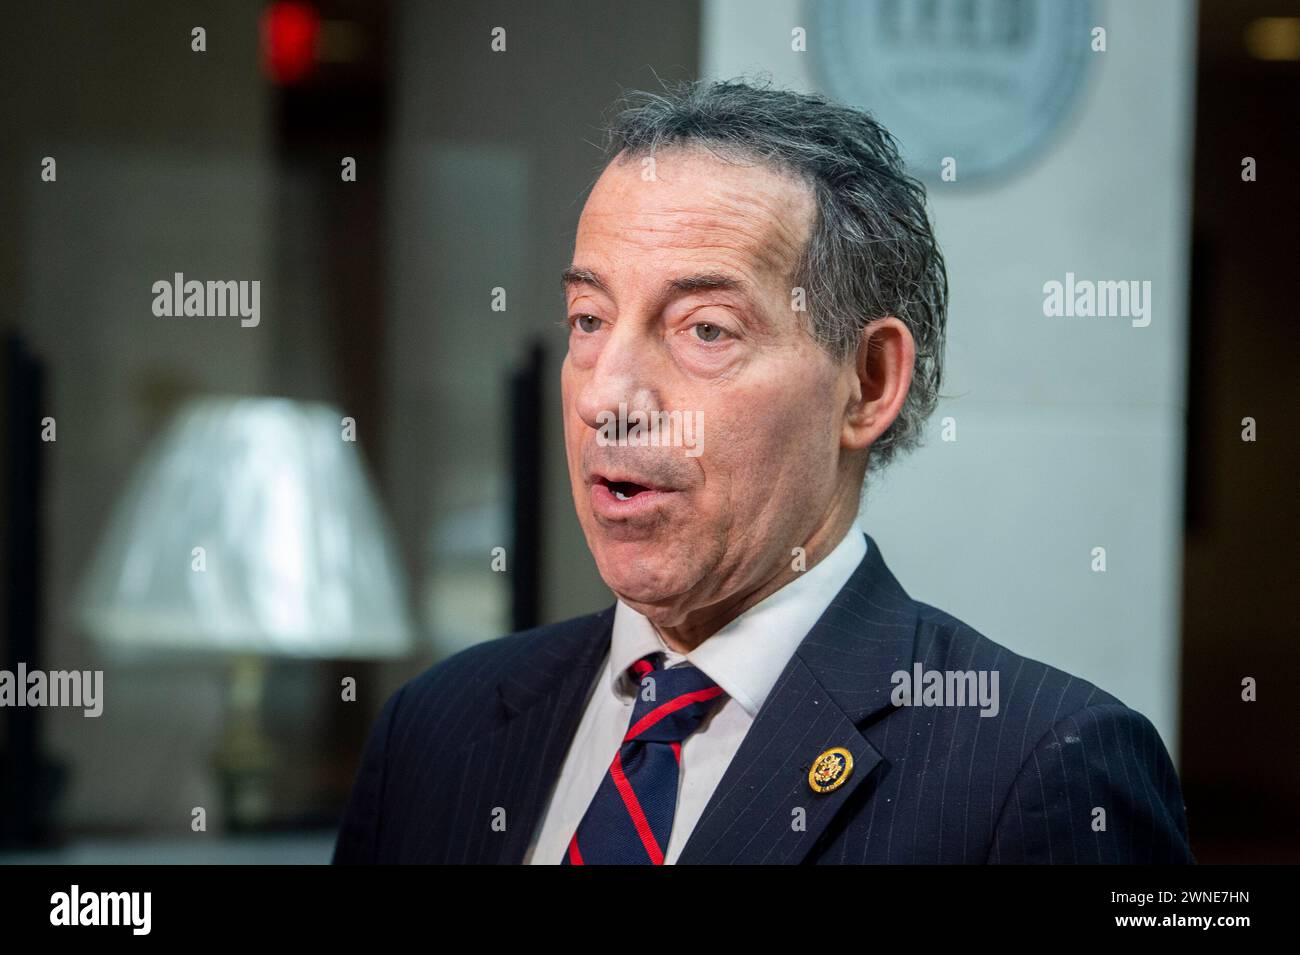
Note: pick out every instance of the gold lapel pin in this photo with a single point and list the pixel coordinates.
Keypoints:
(830, 769)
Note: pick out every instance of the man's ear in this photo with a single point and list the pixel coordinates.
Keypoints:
(881, 376)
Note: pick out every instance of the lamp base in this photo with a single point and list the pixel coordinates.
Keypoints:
(245, 758)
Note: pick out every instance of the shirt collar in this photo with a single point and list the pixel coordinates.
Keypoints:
(746, 656)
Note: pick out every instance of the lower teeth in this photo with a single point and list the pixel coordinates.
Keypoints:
(621, 496)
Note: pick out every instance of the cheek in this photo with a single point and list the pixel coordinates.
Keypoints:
(779, 443)
(566, 378)
(568, 390)
(572, 426)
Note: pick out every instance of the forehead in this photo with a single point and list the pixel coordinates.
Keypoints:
(691, 207)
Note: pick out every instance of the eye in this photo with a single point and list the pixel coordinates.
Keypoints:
(706, 332)
(587, 323)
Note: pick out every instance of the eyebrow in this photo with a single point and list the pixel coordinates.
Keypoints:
(576, 276)
(705, 282)
(708, 282)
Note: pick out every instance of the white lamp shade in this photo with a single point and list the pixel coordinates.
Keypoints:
(296, 558)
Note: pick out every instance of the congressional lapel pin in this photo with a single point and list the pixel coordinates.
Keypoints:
(830, 770)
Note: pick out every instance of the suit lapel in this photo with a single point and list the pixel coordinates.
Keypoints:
(513, 767)
(837, 681)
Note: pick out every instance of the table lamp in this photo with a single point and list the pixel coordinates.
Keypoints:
(250, 530)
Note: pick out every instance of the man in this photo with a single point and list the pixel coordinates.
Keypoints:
(756, 262)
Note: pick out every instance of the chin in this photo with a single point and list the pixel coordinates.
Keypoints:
(644, 574)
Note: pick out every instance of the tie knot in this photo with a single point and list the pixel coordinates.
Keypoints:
(647, 664)
(670, 703)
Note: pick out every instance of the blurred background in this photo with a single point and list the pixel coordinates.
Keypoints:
(258, 531)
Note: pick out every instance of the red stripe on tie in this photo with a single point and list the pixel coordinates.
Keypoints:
(677, 751)
(672, 706)
(634, 810)
(575, 857)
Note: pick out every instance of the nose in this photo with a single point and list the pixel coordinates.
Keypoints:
(625, 373)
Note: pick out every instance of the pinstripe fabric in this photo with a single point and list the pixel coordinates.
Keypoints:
(462, 758)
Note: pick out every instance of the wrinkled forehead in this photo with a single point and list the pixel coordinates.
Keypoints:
(689, 201)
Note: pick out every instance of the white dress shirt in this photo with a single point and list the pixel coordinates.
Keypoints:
(745, 658)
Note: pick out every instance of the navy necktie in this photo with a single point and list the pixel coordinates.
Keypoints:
(631, 815)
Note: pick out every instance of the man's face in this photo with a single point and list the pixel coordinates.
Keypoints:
(680, 299)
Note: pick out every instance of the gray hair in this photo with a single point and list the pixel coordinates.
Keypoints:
(871, 252)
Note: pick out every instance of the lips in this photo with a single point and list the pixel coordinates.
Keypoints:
(617, 496)
(624, 488)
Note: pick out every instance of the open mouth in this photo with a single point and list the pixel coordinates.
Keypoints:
(624, 490)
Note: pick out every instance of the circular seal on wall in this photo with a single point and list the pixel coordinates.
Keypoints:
(983, 83)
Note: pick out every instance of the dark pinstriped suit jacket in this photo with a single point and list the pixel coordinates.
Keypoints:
(487, 730)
